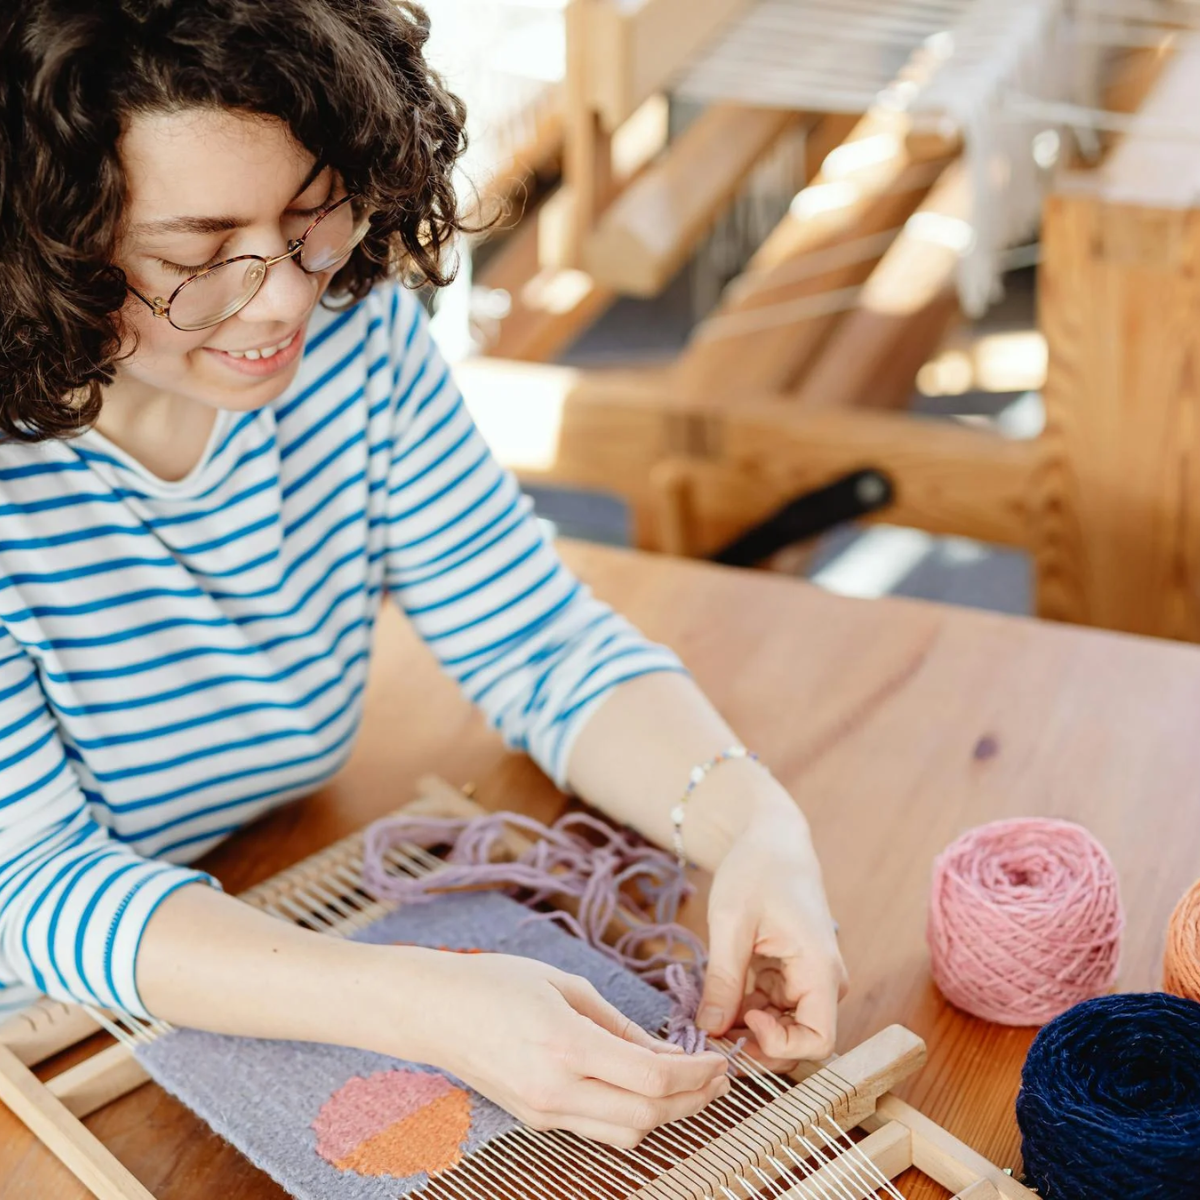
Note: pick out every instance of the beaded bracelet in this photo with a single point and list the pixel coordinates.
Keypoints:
(695, 778)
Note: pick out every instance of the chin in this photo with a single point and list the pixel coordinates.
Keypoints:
(247, 399)
(246, 395)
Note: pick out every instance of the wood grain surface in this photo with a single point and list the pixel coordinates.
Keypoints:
(1114, 519)
(896, 724)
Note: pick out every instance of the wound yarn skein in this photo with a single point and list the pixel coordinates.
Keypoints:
(1181, 959)
(1024, 921)
(1109, 1106)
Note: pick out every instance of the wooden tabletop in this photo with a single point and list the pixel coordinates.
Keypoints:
(896, 724)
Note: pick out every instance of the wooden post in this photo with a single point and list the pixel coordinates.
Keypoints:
(1116, 518)
(904, 311)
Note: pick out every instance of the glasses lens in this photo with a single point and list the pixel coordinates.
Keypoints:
(210, 298)
(333, 237)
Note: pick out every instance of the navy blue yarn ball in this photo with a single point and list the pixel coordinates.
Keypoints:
(1109, 1106)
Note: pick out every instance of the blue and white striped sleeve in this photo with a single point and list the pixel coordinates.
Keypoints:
(468, 563)
(73, 901)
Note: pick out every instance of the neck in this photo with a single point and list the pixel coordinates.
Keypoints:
(164, 432)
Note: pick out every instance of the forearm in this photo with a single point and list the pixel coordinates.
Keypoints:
(633, 757)
(209, 961)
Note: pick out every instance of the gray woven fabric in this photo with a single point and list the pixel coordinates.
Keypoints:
(264, 1096)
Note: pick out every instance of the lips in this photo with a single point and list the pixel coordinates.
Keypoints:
(285, 354)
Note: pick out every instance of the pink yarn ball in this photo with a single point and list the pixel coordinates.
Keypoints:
(1025, 920)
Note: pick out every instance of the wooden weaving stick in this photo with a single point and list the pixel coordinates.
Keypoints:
(756, 1138)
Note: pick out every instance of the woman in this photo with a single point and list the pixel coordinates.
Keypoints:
(226, 435)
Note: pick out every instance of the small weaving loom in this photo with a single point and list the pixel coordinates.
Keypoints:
(348, 1123)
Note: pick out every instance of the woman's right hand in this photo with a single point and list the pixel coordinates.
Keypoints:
(541, 1043)
(548, 1048)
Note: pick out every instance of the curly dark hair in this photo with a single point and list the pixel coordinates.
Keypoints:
(349, 79)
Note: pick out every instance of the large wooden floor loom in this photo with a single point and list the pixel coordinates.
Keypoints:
(799, 375)
(830, 1133)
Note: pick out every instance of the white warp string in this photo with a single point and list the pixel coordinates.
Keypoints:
(998, 72)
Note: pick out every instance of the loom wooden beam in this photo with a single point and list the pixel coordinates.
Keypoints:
(619, 53)
(548, 307)
(550, 304)
(909, 302)
(946, 1159)
(847, 1091)
(905, 309)
(587, 150)
(774, 319)
(1116, 525)
(650, 230)
(737, 463)
(634, 47)
(57, 1128)
(99, 1080)
(44, 1029)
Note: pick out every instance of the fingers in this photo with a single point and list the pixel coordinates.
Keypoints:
(771, 1029)
(730, 946)
(596, 1054)
(612, 1048)
(816, 1010)
(600, 1131)
(586, 1000)
(754, 1047)
(809, 1029)
(590, 1100)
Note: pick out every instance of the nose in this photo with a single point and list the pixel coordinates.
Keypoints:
(285, 297)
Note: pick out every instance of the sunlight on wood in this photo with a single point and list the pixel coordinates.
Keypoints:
(1000, 362)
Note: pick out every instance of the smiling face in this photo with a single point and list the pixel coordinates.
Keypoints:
(203, 186)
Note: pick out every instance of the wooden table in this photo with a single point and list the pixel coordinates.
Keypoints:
(896, 724)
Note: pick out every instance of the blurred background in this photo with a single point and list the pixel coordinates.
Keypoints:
(894, 295)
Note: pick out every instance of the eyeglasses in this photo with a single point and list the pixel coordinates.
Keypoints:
(216, 293)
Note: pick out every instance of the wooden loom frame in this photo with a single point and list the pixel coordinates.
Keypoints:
(750, 416)
(590, 240)
(322, 891)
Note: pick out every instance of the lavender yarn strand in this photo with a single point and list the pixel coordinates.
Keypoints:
(618, 883)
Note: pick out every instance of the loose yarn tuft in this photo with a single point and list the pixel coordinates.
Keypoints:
(1181, 960)
(1109, 1106)
(619, 883)
(1024, 920)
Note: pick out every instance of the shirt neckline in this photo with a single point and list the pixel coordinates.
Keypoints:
(98, 448)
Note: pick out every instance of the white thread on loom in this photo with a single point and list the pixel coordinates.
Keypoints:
(999, 45)
(815, 262)
(812, 55)
(785, 312)
(761, 203)
(1001, 70)
(1081, 116)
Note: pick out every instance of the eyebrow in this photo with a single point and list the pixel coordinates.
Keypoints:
(217, 224)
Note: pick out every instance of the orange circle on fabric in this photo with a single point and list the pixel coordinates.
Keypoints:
(398, 1123)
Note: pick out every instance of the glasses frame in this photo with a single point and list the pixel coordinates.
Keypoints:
(162, 308)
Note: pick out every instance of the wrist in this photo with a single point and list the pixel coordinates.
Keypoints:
(738, 797)
(399, 1001)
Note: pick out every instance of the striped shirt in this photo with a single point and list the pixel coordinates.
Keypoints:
(178, 657)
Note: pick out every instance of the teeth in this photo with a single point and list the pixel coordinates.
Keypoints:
(263, 351)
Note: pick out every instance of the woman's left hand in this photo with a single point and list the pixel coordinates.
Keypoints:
(775, 972)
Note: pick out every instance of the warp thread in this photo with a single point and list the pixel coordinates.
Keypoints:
(616, 880)
(1181, 959)
(1109, 1106)
(1025, 920)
